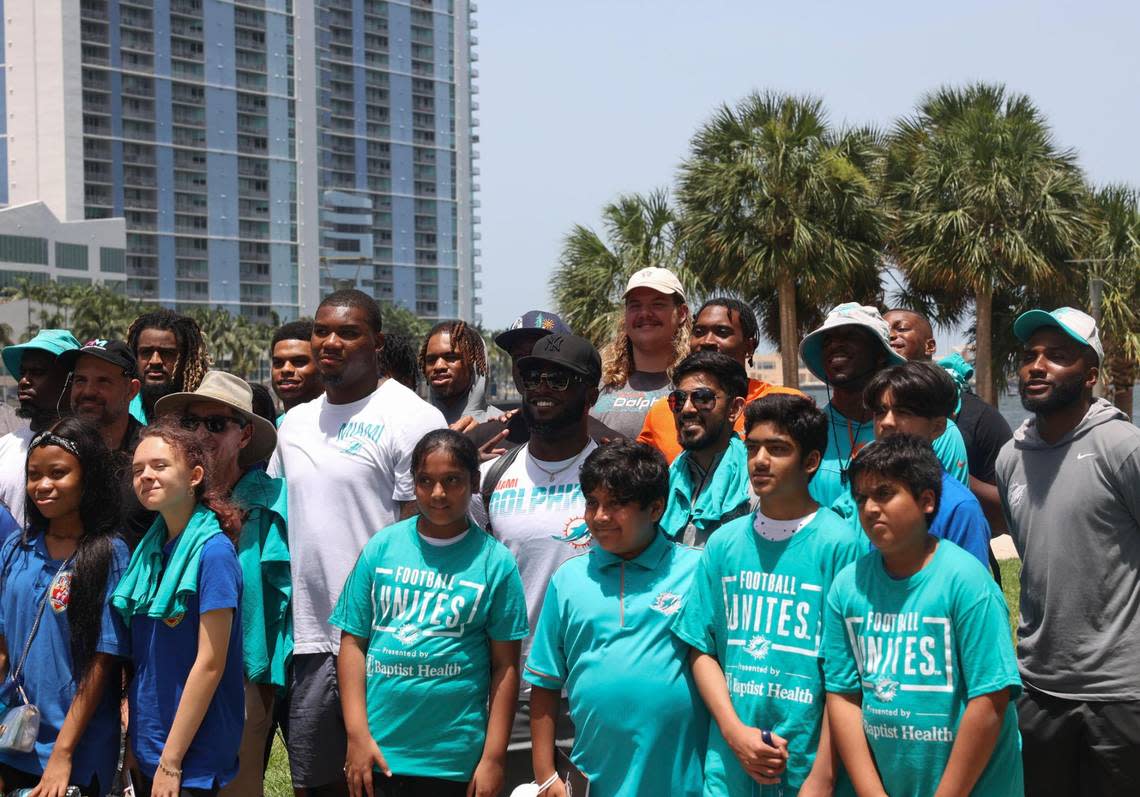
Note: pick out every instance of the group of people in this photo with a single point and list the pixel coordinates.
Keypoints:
(658, 575)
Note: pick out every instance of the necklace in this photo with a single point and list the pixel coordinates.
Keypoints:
(553, 474)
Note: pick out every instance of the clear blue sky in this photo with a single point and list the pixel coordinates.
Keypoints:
(581, 101)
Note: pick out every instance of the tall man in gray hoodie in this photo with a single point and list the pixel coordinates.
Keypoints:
(1070, 488)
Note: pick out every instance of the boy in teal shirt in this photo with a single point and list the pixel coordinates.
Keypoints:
(754, 614)
(603, 635)
(918, 658)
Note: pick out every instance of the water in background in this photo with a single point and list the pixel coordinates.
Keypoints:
(1009, 406)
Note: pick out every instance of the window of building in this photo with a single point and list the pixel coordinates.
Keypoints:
(112, 260)
(23, 249)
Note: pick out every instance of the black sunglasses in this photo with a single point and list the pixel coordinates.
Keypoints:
(555, 380)
(215, 424)
(703, 398)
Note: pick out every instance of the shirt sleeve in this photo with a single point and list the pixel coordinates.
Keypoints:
(840, 670)
(950, 449)
(219, 576)
(546, 666)
(353, 611)
(114, 638)
(424, 420)
(507, 620)
(1127, 477)
(695, 624)
(967, 528)
(985, 647)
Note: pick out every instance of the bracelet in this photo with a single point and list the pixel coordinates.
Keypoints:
(170, 772)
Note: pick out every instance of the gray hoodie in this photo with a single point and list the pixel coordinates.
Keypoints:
(474, 402)
(1073, 508)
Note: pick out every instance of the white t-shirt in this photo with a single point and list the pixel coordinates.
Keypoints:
(13, 473)
(531, 514)
(779, 530)
(347, 467)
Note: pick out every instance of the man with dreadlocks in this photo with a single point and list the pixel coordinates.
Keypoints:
(171, 357)
(453, 361)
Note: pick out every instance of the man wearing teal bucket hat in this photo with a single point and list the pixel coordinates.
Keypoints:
(40, 383)
(851, 346)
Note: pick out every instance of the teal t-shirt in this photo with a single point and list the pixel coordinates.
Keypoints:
(136, 410)
(603, 634)
(757, 606)
(429, 613)
(918, 649)
(844, 439)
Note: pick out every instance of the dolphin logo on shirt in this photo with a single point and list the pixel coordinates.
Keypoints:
(885, 689)
(667, 603)
(407, 633)
(758, 647)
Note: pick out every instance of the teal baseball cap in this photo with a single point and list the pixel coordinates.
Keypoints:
(53, 341)
(1077, 325)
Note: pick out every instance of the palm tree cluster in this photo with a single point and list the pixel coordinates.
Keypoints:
(969, 200)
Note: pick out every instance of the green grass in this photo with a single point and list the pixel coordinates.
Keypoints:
(277, 778)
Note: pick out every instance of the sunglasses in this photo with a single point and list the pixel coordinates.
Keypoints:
(555, 380)
(215, 424)
(703, 398)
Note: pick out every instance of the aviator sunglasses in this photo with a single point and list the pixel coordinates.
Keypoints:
(703, 398)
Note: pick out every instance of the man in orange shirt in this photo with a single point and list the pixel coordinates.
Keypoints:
(725, 325)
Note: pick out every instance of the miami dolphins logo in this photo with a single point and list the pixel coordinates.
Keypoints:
(172, 622)
(667, 603)
(407, 633)
(885, 689)
(576, 533)
(758, 647)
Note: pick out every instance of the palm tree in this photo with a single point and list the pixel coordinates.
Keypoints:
(1115, 261)
(984, 203)
(776, 202)
(640, 231)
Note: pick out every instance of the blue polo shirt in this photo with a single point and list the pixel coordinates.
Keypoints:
(604, 635)
(959, 519)
(163, 653)
(29, 573)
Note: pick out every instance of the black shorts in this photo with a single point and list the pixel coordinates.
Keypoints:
(317, 741)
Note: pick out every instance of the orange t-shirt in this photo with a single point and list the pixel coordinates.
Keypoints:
(660, 430)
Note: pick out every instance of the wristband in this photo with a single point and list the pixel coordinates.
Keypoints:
(170, 772)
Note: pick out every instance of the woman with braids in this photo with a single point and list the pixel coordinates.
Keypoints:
(652, 337)
(171, 356)
(59, 639)
(179, 598)
(453, 361)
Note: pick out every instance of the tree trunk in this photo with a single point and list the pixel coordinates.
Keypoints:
(983, 355)
(1119, 372)
(789, 340)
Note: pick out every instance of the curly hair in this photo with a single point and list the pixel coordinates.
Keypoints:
(100, 514)
(617, 355)
(464, 339)
(193, 359)
(399, 361)
(187, 446)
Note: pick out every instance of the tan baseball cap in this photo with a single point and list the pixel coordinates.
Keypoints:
(661, 280)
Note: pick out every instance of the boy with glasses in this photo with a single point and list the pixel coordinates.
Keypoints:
(708, 482)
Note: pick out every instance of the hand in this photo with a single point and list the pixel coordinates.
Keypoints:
(362, 756)
(556, 789)
(489, 451)
(56, 777)
(816, 786)
(165, 785)
(764, 763)
(464, 424)
(506, 416)
(488, 778)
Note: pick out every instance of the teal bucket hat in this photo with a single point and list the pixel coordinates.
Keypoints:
(848, 314)
(53, 341)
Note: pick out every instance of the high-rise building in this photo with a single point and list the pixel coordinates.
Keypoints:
(385, 130)
(247, 142)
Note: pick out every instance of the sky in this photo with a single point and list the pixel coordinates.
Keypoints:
(584, 100)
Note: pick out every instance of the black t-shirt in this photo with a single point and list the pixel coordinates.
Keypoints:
(985, 431)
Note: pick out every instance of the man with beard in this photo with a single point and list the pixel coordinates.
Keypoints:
(292, 368)
(708, 482)
(1070, 487)
(40, 381)
(534, 500)
(346, 459)
(453, 360)
(171, 358)
(851, 347)
(984, 430)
